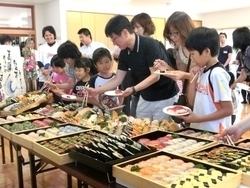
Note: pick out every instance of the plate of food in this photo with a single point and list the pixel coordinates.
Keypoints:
(176, 110)
(69, 97)
(164, 72)
(114, 93)
(243, 86)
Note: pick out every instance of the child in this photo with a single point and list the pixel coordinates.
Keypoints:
(59, 74)
(102, 59)
(209, 91)
(234, 98)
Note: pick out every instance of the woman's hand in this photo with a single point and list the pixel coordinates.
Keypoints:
(234, 131)
(161, 65)
(177, 75)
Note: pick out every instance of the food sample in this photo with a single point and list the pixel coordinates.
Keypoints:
(199, 134)
(222, 155)
(244, 164)
(111, 148)
(245, 145)
(177, 110)
(172, 172)
(51, 132)
(27, 125)
(28, 116)
(62, 145)
(173, 143)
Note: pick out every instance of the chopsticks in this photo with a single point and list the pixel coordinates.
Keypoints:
(194, 77)
(45, 84)
(85, 97)
(229, 140)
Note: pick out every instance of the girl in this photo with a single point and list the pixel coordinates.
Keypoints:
(102, 59)
(59, 73)
(45, 53)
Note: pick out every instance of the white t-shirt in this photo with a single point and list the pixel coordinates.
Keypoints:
(207, 100)
(88, 51)
(45, 53)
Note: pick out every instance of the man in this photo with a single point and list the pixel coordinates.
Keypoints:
(139, 53)
(88, 46)
(225, 51)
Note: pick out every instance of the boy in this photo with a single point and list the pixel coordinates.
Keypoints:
(209, 92)
(234, 98)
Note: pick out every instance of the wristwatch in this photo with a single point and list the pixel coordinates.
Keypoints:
(133, 89)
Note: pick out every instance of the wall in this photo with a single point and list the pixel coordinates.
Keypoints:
(39, 23)
(227, 19)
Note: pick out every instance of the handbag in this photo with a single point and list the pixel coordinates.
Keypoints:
(182, 100)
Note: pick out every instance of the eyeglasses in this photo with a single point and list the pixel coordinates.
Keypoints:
(113, 39)
(173, 34)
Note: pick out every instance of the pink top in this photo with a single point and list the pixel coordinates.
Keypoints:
(61, 79)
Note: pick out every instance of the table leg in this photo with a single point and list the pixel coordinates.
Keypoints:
(11, 152)
(32, 170)
(19, 166)
(3, 151)
(69, 179)
(79, 184)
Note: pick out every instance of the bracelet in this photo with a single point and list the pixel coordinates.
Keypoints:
(133, 89)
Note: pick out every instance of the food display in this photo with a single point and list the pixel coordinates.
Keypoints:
(20, 117)
(176, 110)
(49, 110)
(171, 142)
(198, 133)
(161, 169)
(244, 144)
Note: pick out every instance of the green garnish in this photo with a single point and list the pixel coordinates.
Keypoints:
(42, 134)
(135, 168)
(103, 124)
(123, 119)
(175, 136)
(53, 124)
(200, 166)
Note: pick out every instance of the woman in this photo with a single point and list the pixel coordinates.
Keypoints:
(176, 31)
(144, 26)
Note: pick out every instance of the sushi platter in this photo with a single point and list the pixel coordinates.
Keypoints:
(57, 149)
(165, 170)
(22, 103)
(8, 129)
(244, 143)
(103, 153)
(20, 117)
(197, 133)
(230, 157)
(27, 138)
(173, 142)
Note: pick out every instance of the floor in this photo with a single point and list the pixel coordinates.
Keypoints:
(57, 178)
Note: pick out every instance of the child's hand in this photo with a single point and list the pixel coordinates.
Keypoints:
(190, 118)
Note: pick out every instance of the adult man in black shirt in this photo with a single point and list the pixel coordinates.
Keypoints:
(225, 51)
(139, 53)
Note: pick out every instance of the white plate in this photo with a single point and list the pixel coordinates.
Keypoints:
(69, 97)
(112, 93)
(167, 110)
(166, 73)
(243, 86)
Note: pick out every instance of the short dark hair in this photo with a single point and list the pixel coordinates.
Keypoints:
(99, 53)
(57, 62)
(232, 78)
(85, 63)
(68, 49)
(50, 29)
(201, 38)
(85, 31)
(145, 22)
(241, 38)
(221, 33)
(5, 38)
(117, 24)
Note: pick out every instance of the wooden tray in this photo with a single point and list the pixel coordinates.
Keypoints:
(8, 134)
(59, 159)
(245, 176)
(22, 141)
(20, 120)
(139, 181)
(157, 134)
(195, 130)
